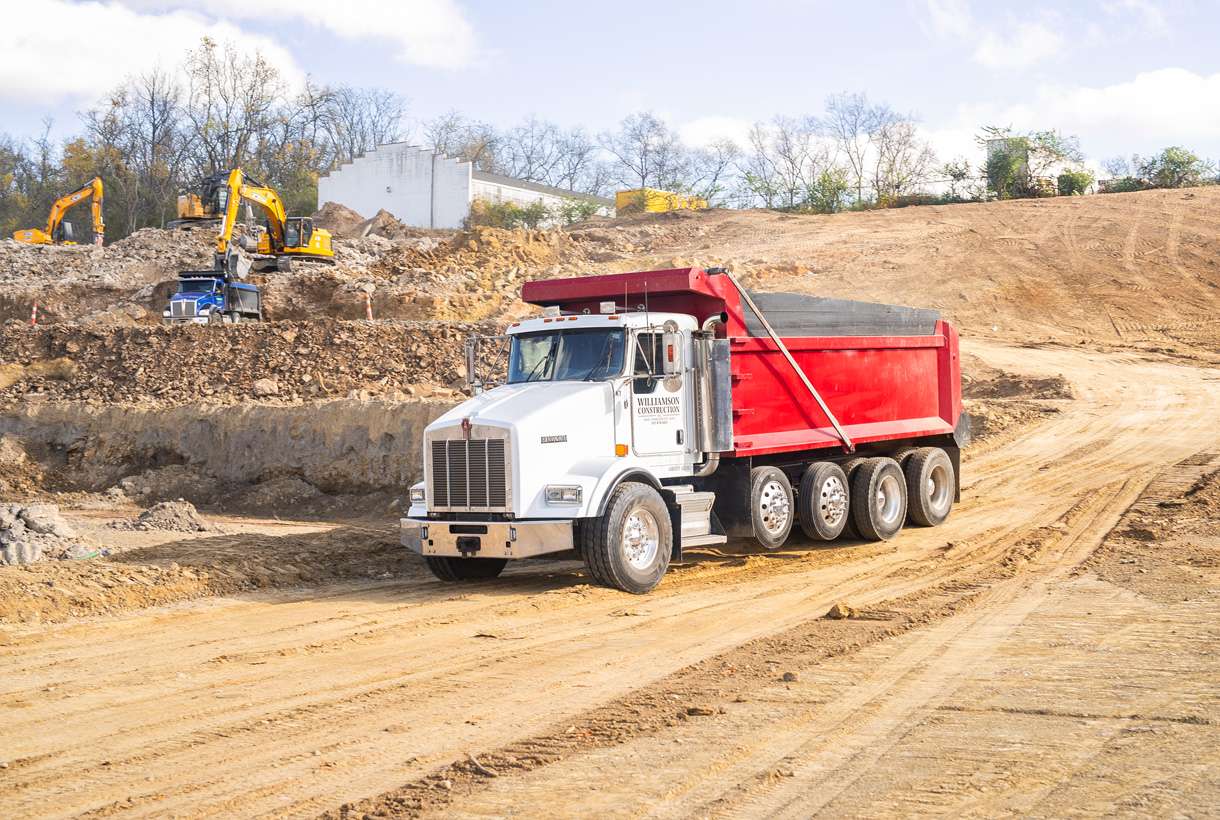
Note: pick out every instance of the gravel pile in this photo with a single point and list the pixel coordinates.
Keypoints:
(171, 365)
(170, 516)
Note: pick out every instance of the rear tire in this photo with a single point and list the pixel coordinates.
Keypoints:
(879, 499)
(822, 501)
(931, 486)
(849, 468)
(464, 569)
(629, 547)
(771, 510)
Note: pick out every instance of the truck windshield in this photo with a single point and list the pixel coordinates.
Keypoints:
(196, 285)
(587, 354)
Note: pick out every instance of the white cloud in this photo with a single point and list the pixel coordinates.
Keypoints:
(701, 132)
(1020, 46)
(433, 33)
(1154, 109)
(79, 51)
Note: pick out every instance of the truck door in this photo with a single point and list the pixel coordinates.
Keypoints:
(658, 405)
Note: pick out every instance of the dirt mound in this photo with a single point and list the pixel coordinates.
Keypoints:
(340, 220)
(278, 494)
(173, 481)
(111, 285)
(1008, 385)
(34, 532)
(188, 568)
(166, 365)
(171, 516)
(1125, 269)
(20, 475)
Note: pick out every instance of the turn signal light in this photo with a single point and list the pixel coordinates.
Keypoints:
(620, 450)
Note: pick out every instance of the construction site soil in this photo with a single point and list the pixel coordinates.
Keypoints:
(1050, 650)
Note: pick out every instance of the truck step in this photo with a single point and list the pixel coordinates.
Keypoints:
(696, 509)
(702, 540)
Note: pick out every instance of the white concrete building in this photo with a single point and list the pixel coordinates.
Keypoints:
(429, 190)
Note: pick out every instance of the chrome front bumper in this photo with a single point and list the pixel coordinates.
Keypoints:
(519, 539)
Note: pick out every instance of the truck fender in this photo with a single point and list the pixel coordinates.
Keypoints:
(635, 474)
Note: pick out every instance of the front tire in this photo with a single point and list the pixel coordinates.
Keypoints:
(879, 499)
(629, 547)
(770, 506)
(822, 501)
(451, 569)
(931, 486)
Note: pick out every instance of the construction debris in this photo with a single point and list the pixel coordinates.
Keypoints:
(34, 532)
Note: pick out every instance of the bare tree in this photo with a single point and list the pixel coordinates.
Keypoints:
(455, 135)
(531, 150)
(852, 122)
(231, 100)
(901, 159)
(357, 120)
(647, 153)
(712, 169)
(578, 166)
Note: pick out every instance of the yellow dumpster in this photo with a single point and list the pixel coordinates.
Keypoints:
(650, 200)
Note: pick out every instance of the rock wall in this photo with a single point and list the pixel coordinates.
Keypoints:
(340, 446)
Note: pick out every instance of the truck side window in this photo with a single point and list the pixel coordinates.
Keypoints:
(647, 362)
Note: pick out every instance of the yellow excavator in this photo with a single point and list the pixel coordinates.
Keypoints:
(204, 207)
(59, 232)
(285, 238)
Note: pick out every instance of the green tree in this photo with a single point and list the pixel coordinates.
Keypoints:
(1075, 182)
(1175, 167)
(957, 172)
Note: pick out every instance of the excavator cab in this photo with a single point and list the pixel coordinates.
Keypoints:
(298, 230)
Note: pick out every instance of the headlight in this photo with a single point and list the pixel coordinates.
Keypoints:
(418, 496)
(564, 494)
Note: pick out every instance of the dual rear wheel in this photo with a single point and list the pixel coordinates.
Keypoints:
(869, 498)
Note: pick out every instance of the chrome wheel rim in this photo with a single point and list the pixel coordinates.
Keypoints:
(938, 488)
(641, 538)
(774, 507)
(888, 499)
(832, 501)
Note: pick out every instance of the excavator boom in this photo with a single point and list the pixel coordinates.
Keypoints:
(53, 235)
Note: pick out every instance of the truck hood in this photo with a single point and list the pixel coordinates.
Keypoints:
(560, 433)
(524, 405)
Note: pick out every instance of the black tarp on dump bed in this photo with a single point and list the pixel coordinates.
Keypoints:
(798, 314)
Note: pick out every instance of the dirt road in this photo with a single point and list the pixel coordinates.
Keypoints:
(988, 675)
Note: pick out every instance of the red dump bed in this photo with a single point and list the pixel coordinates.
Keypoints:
(885, 372)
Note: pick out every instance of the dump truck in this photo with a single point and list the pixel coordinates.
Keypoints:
(647, 413)
(212, 297)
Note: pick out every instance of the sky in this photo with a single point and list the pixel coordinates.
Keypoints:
(1123, 75)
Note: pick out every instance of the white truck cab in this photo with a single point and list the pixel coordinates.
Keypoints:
(591, 401)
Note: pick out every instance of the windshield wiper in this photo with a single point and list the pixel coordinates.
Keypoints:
(529, 377)
(603, 359)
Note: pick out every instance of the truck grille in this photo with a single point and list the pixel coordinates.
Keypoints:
(469, 474)
(182, 309)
